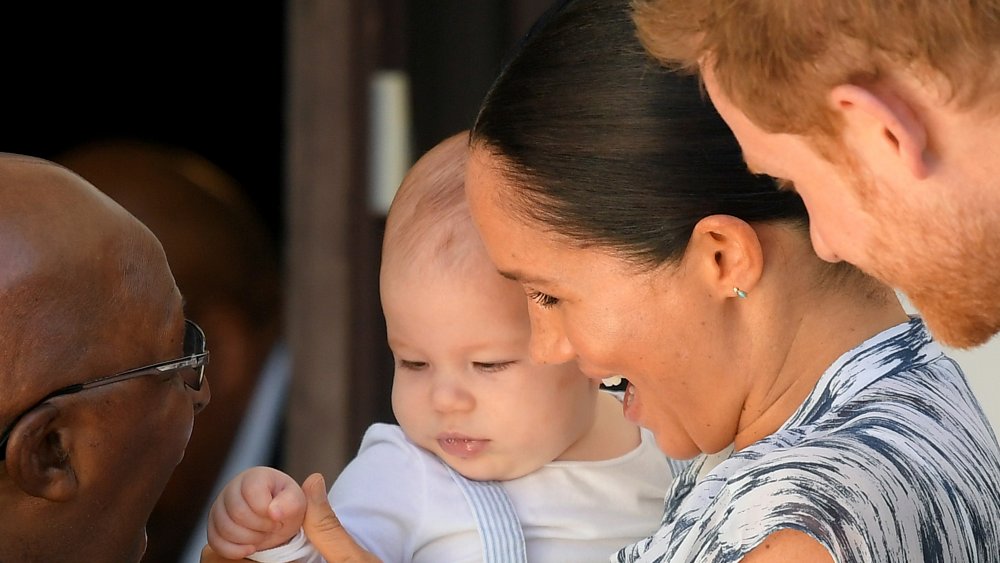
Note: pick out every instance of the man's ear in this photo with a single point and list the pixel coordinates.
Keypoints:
(38, 460)
(885, 124)
(729, 254)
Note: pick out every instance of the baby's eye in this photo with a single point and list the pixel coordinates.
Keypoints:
(411, 365)
(491, 367)
(544, 300)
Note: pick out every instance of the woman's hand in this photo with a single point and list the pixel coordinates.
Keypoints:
(209, 556)
(322, 528)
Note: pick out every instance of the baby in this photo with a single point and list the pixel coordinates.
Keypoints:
(495, 458)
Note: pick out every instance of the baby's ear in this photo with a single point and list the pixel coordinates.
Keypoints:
(38, 460)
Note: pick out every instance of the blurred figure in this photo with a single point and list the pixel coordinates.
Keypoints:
(225, 263)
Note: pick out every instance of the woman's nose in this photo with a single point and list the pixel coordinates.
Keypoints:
(548, 341)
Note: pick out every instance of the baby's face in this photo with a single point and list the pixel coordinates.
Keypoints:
(464, 386)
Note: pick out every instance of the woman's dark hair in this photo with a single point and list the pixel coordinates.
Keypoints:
(608, 148)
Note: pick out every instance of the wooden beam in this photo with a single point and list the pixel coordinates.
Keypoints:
(329, 65)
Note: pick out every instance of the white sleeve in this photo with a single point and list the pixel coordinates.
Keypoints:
(380, 497)
(297, 549)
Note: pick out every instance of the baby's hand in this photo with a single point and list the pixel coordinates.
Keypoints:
(259, 509)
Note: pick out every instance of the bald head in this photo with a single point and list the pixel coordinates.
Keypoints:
(72, 260)
(86, 293)
(429, 216)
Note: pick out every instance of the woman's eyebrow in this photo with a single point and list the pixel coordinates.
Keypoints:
(521, 277)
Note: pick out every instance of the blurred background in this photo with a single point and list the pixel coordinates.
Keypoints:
(315, 108)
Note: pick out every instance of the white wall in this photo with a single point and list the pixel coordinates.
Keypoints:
(982, 367)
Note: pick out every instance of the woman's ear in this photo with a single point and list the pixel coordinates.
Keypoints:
(38, 460)
(884, 125)
(729, 254)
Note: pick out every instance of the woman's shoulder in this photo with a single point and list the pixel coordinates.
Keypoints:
(890, 438)
(898, 399)
(873, 474)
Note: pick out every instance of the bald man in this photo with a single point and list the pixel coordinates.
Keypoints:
(225, 263)
(102, 373)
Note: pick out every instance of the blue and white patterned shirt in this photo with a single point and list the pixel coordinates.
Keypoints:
(889, 459)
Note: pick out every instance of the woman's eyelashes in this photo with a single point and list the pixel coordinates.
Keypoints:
(543, 300)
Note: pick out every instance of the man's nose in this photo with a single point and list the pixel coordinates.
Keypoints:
(201, 397)
(821, 247)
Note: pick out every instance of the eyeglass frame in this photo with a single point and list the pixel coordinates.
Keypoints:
(195, 360)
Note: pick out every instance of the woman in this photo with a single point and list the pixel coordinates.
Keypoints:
(828, 425)
(824, 423)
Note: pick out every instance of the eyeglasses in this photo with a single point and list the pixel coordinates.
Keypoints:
(193, 363)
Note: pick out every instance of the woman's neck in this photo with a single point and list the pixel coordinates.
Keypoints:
(820, 333)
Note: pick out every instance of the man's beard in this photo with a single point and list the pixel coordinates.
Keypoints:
(946, 261)
(949, 270)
